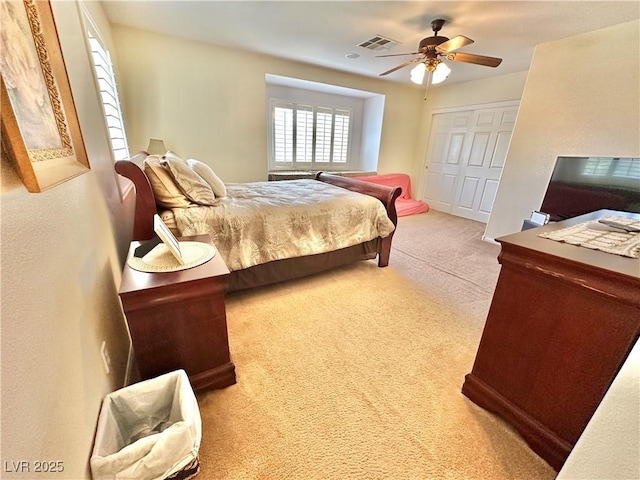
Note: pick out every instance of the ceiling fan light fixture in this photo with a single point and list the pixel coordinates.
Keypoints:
(430, 49)
(417, 73)
(441, 73)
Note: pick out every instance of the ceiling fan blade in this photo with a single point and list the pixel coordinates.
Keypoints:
(408, 62)
(454, 44)
(398, 54)
(475, 59)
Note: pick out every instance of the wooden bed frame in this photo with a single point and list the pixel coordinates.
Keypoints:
(279, 270)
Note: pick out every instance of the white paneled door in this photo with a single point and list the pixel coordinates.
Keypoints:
(466, 153)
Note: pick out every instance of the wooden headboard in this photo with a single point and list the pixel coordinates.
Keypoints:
(145, 199)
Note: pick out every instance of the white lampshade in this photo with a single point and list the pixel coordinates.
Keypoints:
(156, 147)
(441, 73)
(417, 73)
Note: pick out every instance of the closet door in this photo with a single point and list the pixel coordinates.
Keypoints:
(484, 156)
(445, 157)
(466, 153)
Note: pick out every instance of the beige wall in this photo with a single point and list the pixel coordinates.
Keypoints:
(582, 98)
(60, 271)
(209, 103)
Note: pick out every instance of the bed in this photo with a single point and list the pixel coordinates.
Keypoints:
(273, 256)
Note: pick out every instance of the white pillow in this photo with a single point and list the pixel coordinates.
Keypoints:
(209, 176)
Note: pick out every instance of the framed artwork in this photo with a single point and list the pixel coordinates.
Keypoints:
(40, 129)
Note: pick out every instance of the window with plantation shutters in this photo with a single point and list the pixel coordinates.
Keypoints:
(109, 95)
(309, 136)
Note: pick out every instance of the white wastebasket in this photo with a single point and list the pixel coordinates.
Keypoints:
(150, 430)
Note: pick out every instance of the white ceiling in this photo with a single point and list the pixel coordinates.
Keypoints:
(323, 32)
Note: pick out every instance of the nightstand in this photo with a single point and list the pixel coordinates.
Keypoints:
(178, 320)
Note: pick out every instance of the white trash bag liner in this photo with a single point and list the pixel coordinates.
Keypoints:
(149, 430)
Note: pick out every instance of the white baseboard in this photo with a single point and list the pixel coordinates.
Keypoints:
(490, 240)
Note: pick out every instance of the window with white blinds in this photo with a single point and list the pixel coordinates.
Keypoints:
(309, 136)
(109, 94)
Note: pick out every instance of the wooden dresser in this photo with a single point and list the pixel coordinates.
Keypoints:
(562, 321)
(178, 320)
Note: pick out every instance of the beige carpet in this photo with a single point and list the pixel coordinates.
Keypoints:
(357, 373)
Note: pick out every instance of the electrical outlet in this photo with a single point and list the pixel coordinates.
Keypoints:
(106, 360)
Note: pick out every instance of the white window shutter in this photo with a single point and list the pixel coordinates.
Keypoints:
(304, 134)
(283, 134)
(323, 135)
(109, 95)
(341, 136)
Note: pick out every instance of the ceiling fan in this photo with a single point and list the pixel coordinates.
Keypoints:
(432, 48)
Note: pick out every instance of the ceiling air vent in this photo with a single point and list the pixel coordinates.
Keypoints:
(378, 43)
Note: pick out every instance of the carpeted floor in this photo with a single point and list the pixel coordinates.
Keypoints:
(356, 373)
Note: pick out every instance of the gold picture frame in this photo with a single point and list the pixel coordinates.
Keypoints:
(40, 129)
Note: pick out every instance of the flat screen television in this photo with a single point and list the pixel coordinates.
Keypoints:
(581, 185)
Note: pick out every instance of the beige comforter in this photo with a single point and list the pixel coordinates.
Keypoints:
(264, 221)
